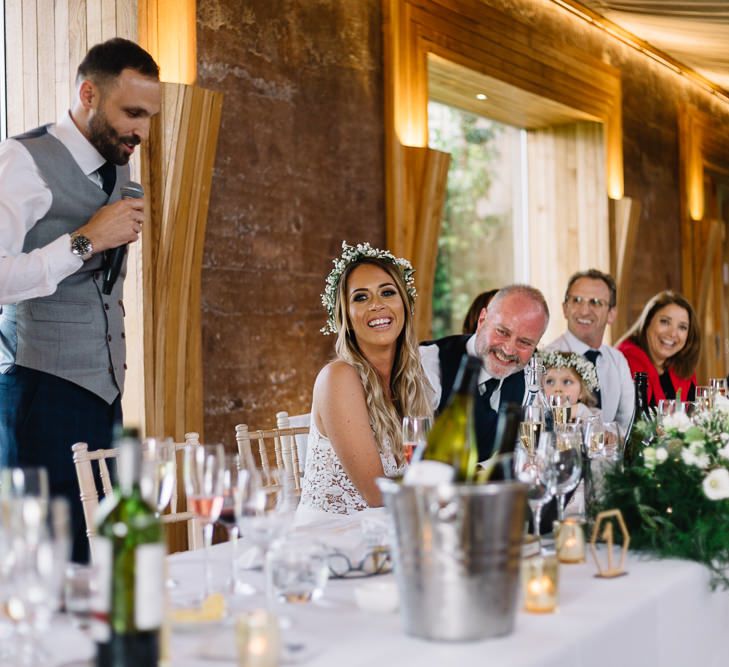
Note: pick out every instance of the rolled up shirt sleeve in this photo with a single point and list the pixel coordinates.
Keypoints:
(25, 199)
(430, 362)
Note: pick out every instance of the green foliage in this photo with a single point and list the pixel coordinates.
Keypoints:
(471, 141)
(662, 490)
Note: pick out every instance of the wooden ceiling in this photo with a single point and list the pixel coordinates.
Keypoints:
(458, 86)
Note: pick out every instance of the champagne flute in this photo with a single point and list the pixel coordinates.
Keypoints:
(531, 426)
(568, 462)
(415, 437)
(561, 409)
(204, 475)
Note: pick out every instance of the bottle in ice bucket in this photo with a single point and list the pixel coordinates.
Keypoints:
(129, 555)
(450, 454)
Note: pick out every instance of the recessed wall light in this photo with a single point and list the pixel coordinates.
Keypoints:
(481, 96)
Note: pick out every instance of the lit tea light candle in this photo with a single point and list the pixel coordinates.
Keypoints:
(570, 542)
(259, 641)
(540, 579)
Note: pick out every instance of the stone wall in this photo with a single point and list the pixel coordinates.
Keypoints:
(300, 167)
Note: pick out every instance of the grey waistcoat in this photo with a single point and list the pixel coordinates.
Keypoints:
(77, 333)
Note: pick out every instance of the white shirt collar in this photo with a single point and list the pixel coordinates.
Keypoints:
(576, 345)
(87, 157)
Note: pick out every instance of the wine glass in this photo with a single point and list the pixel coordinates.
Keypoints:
(204, 476)
(158, 472)
(415, 437)
(718, 385)
(530, 428)
(535, 467)
(568, 462)
(704, 398)
(27, 489)
(235, 483)
(265, 512)
(561, 409)
(614, 441)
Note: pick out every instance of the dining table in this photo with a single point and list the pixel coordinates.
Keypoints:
(659, 613)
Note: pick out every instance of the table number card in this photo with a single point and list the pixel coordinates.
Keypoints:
(603, 532)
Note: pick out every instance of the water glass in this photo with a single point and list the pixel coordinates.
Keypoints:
(536, 469)
(296, 570)
(79, 587)
(415, 437)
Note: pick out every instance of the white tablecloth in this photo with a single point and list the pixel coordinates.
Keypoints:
(661, 614)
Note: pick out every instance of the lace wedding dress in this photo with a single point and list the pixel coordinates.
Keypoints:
(326, 487)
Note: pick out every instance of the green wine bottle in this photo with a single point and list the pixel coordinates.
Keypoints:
(452, 440)
(129, 554)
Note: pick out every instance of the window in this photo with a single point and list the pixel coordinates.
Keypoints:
(484, 223)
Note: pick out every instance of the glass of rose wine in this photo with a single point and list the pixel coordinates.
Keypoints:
(415, 436)
(204, 473)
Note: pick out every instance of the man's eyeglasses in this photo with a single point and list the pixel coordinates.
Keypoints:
(592, 302)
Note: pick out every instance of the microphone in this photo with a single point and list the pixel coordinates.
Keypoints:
(114, 258)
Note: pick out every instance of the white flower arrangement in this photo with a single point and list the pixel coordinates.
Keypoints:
(352, 254)
(582, 366)
(673, 489)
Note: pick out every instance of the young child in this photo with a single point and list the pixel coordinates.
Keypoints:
(570, 375)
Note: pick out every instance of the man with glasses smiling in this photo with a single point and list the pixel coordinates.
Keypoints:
(508, 332)
(589, 306)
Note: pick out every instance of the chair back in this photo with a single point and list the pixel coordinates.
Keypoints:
(285, 453)
(84, 461)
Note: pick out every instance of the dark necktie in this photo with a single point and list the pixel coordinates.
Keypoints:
(592, 355)
(488, 388)
(107, 171)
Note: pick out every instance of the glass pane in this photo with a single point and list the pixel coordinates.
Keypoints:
(476, 248)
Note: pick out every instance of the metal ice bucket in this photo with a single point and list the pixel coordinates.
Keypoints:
(457, 551)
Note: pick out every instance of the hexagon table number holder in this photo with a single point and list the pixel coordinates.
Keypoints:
(603, 531)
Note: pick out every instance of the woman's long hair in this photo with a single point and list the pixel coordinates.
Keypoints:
(408, 385)
(683, 362)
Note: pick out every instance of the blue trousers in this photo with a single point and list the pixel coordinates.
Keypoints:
(41, 416)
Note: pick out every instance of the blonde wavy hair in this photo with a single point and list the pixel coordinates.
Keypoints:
(408, 386)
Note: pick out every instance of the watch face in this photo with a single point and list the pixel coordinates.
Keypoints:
(81, 246)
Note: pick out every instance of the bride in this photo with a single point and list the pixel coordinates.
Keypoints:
(361, 396)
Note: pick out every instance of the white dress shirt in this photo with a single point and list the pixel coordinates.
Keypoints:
(431, 366)
(617, 393)
(24, 199)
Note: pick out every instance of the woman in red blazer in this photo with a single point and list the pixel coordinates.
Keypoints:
(665, 343)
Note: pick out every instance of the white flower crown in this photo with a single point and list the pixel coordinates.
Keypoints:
(582, 366)
(352, 254)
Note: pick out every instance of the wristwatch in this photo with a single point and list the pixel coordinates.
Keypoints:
(81, 246)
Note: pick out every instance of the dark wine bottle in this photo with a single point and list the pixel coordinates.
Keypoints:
(498, 465)
(640, 411)
(129, 553)
(452, 440)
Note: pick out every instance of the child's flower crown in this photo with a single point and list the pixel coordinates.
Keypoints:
(582, 366)
(352, 254)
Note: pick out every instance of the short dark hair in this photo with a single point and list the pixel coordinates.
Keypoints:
(594, 274)
(683, 362)
(107, 60)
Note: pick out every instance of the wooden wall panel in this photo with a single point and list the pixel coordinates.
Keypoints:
(45, 42)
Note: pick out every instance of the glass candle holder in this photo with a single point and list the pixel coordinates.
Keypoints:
(540, 581)
(259, 639)
(570, 542)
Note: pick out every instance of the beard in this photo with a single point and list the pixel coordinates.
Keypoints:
(105, 139)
